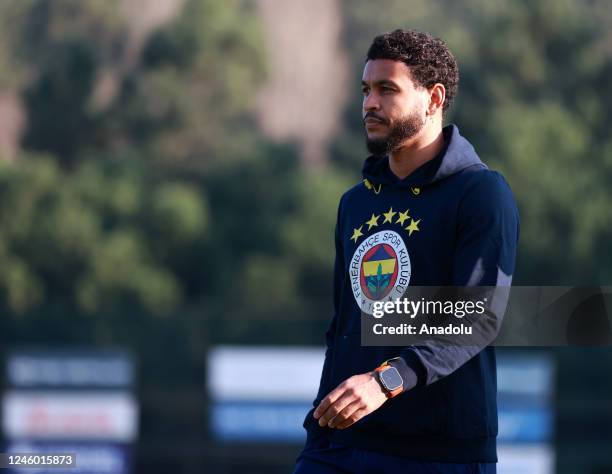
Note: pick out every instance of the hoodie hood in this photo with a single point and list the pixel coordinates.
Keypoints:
(457, 155)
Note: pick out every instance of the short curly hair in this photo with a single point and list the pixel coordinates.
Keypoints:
(429, 59)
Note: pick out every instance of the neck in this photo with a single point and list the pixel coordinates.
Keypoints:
(417, 151)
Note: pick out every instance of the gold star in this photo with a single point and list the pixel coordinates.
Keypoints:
(373, 222)
(356, 234)
(389, 215)
(402, 217)
(414, 225)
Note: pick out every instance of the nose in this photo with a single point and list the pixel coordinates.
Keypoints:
(370, 102)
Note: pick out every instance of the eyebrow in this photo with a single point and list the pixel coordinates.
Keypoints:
(382, 82)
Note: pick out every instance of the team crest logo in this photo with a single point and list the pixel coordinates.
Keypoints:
(380, 269)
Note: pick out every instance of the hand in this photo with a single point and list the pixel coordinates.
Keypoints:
(350, 401)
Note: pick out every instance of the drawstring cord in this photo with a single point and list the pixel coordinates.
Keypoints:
(369, 185)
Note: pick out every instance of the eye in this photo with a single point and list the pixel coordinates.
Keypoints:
(365, 90)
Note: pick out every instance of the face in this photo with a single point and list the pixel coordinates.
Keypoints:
(393, 106)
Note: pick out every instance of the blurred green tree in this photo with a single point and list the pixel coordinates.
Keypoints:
(101, 236)
(191, 100)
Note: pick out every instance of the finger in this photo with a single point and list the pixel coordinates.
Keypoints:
(337, 407)
(345, 413)
(353, 418)
(329, 399)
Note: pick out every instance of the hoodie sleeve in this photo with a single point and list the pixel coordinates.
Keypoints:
(312, 427)
(485, 249)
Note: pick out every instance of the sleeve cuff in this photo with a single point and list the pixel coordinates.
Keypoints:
(411, 369)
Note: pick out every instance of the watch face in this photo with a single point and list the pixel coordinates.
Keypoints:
(391, 379)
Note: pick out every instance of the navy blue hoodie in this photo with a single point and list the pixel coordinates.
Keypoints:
(459, 225)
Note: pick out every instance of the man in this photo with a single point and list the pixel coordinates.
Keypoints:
(455, 223)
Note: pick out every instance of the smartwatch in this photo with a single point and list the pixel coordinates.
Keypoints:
(389, 378)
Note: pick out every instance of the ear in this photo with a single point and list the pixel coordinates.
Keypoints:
(437, 95)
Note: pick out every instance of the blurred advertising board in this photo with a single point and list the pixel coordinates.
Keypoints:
(249, 404)
(525, 385)
(79, 401)
(526, 459)
(70, 369)
(69, 415)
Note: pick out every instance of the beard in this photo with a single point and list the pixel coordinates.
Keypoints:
(402, 130)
